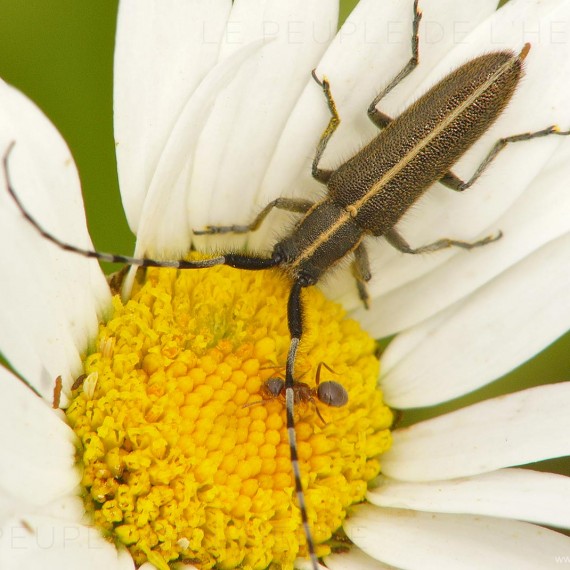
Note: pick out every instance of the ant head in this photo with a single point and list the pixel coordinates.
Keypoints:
(274, 386)
(332, 394)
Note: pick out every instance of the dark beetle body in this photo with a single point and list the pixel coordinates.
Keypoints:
(369, 193)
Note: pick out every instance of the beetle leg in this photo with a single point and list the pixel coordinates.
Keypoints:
(296, 205)
(380, 119)
(361, 272)
(455, 183)
(397, 241)
(295, 323)
(320, 174)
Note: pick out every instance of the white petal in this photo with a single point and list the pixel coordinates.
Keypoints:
(222, 174)
(53, 544)
(164, 49)
(10, 506)
(519, 494)
(475, 213)
(52, 300)
(70, 508)
(38, 454)
(164, 227)
(251, 113)
(304, 564)
(500, 326)
(355, 560)
(516, 429)
(426, 541)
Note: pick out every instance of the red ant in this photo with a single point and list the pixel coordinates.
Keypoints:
(329, 393)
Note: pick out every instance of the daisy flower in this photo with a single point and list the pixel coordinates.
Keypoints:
(134, 429)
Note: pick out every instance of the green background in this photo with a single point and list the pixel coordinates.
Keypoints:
(60, 53)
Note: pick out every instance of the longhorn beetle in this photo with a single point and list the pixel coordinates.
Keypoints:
(369, 193)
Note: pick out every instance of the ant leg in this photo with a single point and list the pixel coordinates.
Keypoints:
(397, 241)
(296, 205)
(455, 183)
(319, 413)
(318, 374)
(380, 119)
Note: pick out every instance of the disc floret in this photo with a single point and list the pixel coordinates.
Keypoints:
(176, 466)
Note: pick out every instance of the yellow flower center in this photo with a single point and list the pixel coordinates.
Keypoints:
(184, 460)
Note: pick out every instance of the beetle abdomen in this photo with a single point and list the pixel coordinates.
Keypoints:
(385, 178)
